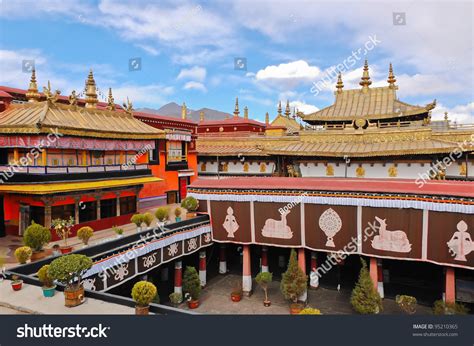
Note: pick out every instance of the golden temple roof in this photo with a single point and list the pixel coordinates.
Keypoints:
(43, 117)
(374, 103)
(288, 122)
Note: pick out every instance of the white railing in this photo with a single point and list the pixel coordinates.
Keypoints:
(70, 169)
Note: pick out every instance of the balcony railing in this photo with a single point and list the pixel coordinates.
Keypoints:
(70, 169)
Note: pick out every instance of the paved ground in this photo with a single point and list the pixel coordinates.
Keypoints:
(215, 299)
(30, 300)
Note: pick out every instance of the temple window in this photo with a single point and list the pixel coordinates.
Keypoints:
(62, 211)
(108, 208)
(88, 211)
(176, 151)
(128, 205)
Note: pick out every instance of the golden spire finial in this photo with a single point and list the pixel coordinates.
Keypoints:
(365, 80)
(33, 95)
(201, 116)
(279, 108)
(391, 78)
(287, 109)
(267, 119)
(446, 116)
(91, 91)
(184, 111)
(236, 110)
(110, 101)
(339, 84)
(246, 112)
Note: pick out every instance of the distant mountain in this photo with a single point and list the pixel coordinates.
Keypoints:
(174, 110)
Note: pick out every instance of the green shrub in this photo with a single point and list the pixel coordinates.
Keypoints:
(176, 298)
(117, 230)
(143, 293)
(365, 299)
(263, 279)
(85, 233)
(294, 281)
(162, 213)
(191, 283)
(310, 311)
(148, 219)
(406, 303)
(190, 204)
(137, 219)
(442, 308)
(69, 269)
(23, 254)
(44, 277)
(36, 236)
(178, 212)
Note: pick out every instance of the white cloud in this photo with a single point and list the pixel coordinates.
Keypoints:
(149, 49)
(293, 72)
(195, 85)
(304, 107)
(458, 113)
(195, 73)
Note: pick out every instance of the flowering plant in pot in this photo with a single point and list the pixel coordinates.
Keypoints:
(47, 281)
(143, 293)
(138, 220)
(176, 298)
(118, 231)
(236, 294)
(23, 254)
(162, 214)
(69, 270)
(192, 287)
(177, 214)
(85, 233)
(263, 279)
(63, 230)
(191, 204)
(293, 283)
(148, 219)
(36, 236)
(16, 283)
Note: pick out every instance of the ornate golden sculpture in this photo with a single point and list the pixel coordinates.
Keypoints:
(33, 95)
(292, 171)
(50, 96)
(360, 172)
(91, 91)
(128, 107)
(462, 169)
(392, 171)
(73, 98)
(110, 101)
(246, 167)
(330, 170)
(263, 167)
(203, 167)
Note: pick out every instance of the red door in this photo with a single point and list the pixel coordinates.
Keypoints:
(183, 183)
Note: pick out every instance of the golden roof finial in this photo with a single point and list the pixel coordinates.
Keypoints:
(391, 78)
(339, 84)
(279, 108)
(267, 119)
(73, 98)
(184, 111)
(50, 97)
(33, 95)
(128, 107)
(110, 101)
(287, 109)
(246, 112)
(201, 116)
(91, 91)
(236, 110)
(446, 116)
(365, 80)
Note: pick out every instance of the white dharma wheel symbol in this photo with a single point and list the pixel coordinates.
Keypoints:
(330, 223)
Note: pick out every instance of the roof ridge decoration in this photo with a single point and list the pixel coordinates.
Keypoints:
(91, 91)
(184, 111)
(391, 78)
(287, 109)
(51, 97)
(236, 109)
(365, 80)
(267, 119)
(33, 95)
(339, 84)
(128, 107)
(110, 101)
(246, 113)
(73, 99)
(279, 108)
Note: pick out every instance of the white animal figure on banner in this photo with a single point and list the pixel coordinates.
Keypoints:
(277, 228)
(396, 241)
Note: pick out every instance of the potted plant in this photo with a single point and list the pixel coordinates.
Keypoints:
(406, 303)
(310, 311)
(69, 270)
(16, 283)
(63, 230)
(118, 231)
(236, 294)
(440, 307)
(177, 214)
(162, 214)
(36, 236)
(191, 204)
(148, 219)
(365, 299)
(143, 293)
(263, 279)
(85, 233)
(47, 281)
(176, 298)
(23, 254)
(192, 287)
(137, 219)
(293, 283)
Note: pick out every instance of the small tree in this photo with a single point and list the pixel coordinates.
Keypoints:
(137, 219)
(162, 213)
(263, 279)
(406, 303)
(69, 270)
(365, 299)
(440, 307)
(23, 254)
(176, 298)
(190, 204)
(36, 236)
(85, 233)
(143, 293)
(294, 280)
(148, 218)
(63, 228)
(44, 277)
(191, 283)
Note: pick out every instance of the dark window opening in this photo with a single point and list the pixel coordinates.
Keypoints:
(128, 205)
(37, 215)
(87, 211)
(3, 156)
(62, 212)
(108, 208)
(155, 154)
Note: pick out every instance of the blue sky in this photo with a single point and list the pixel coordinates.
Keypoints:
(187, 50)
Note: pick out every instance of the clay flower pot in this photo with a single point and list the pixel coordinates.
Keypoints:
(65, 249)
(236, 296)
(37, 255)
(267, 303)
(17, 285)
(296, 308)
(74, 297)
(142, 310)
(193, 304)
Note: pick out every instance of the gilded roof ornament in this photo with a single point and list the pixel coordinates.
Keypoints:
(391, 78)
(365, 80)
(91, 91)
(73, 98)
(287, 109)
(50, 96)
(128, 106)
(33, 95)
(110, 101)
(201, 116)
(184, 111)
(236, 110)
(339, 84)
(446, 116)
(246, 112)
(279, 108)
(267, 119)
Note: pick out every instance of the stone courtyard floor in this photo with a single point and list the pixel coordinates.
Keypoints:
(215, 299)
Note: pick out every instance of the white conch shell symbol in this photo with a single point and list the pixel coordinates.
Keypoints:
(461, 243)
